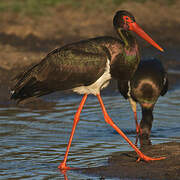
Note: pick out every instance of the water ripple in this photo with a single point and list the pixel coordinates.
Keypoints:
(33, 142)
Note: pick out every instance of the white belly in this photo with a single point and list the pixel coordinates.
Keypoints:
(95, 88)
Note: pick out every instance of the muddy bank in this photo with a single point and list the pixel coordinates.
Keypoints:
(123, 164)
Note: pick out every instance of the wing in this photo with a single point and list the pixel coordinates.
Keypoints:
(62, 69)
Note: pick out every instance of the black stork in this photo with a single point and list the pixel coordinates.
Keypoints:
(86, 67)
(147, 84)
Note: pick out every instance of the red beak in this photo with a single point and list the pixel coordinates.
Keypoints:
(135, 27)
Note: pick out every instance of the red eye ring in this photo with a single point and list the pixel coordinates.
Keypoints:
(127, 19)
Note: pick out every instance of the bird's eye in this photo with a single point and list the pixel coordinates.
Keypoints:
(126, 19)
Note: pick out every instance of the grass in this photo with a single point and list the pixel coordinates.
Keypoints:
(39, 7)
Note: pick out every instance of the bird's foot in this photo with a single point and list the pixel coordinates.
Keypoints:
(63, 166)
(148, 159)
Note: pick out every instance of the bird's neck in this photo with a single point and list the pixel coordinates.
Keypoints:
(127, 38)
(146, 122)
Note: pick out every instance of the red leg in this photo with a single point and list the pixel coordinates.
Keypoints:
(133, 106)
(138, 130)
(63, 166)
(137, 127)
(64, 173)
(137, 124)
(110, 122)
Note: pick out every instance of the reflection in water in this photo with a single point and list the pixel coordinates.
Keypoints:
(33, 142)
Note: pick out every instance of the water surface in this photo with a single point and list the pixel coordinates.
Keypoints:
(33, 142)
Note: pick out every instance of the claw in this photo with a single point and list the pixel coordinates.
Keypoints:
(148, 159)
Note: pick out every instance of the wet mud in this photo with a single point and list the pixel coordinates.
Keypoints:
(123, 165)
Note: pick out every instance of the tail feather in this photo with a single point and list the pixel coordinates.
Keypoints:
(28, 86)
(29, 89)
(23, 89)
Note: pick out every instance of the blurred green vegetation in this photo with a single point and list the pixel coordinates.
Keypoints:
(38, 7)
(28, 7)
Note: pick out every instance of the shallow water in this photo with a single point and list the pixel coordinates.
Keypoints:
(33, 142)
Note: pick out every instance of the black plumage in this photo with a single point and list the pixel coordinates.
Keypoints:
(83, 63)
(148, 83)
(63, 68)
(74, 65)
(86, 67)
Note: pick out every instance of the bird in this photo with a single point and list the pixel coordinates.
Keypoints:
(86, 67)
(148, 83)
